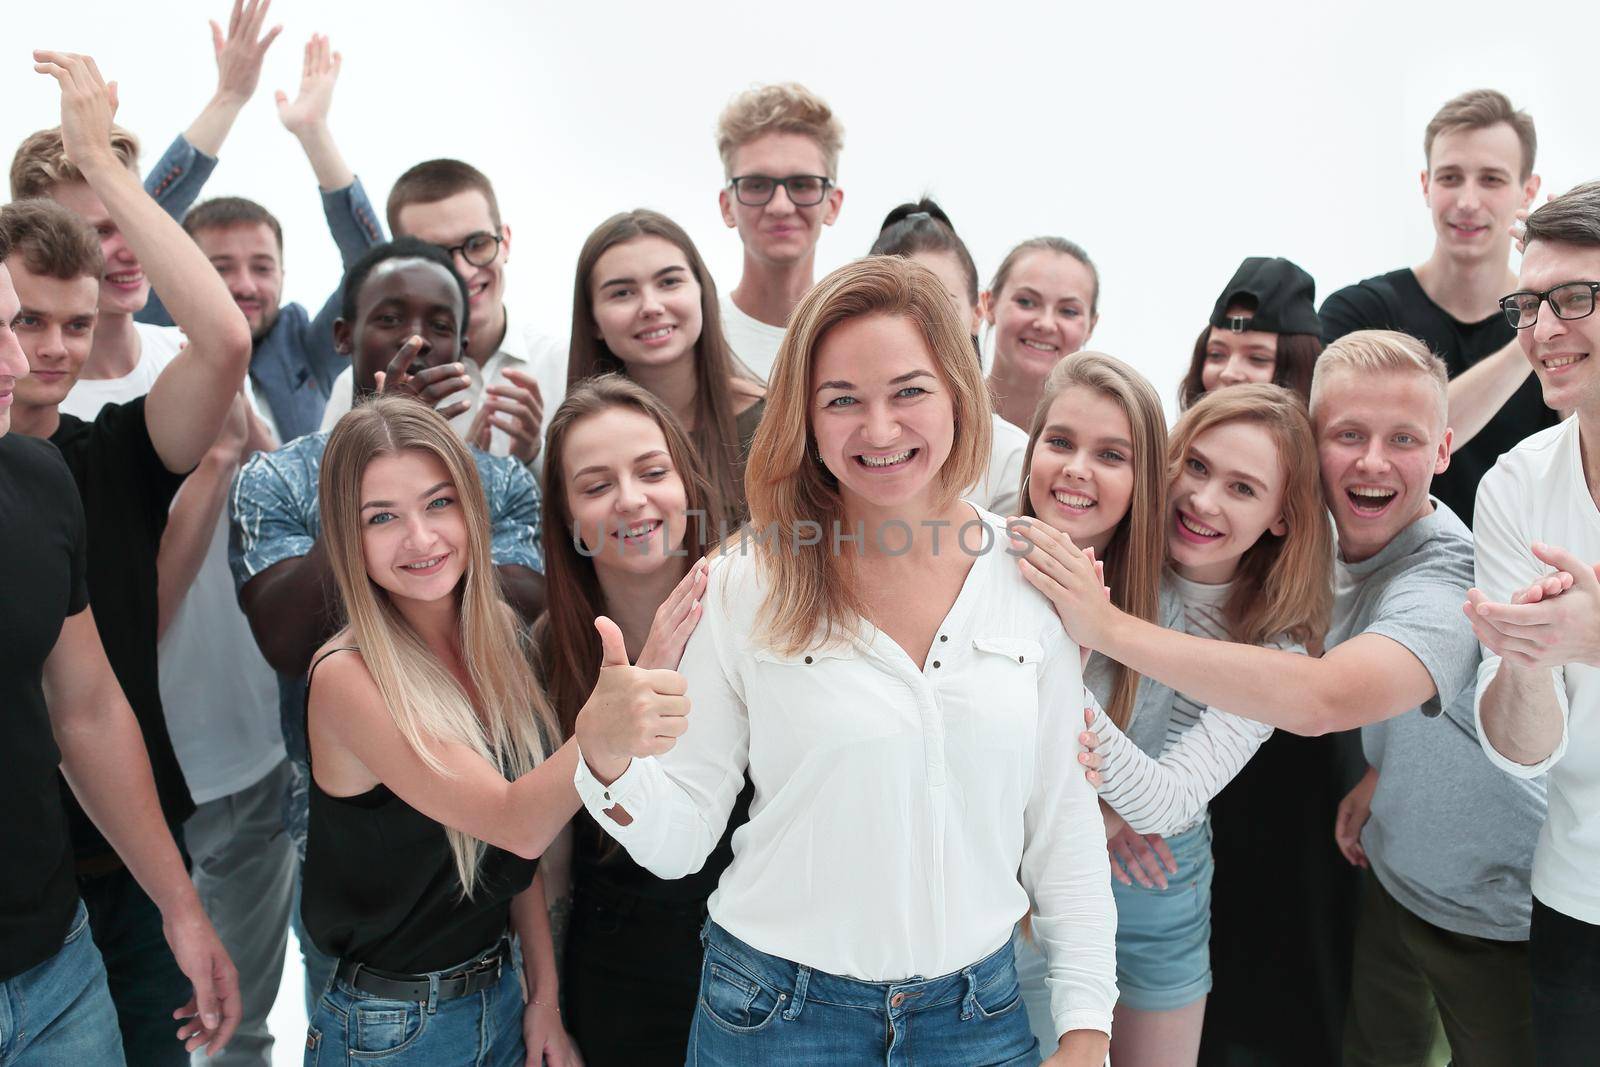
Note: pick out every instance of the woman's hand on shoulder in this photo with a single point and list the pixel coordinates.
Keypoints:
(675, 621)
(1066, 575)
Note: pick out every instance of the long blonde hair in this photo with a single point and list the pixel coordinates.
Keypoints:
(1284, 585)
(1138, 548)
(811, 593)
(505, 718)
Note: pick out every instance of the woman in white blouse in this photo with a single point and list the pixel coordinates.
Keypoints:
(899, 696)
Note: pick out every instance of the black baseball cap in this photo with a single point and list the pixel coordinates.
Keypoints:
(1284, 297)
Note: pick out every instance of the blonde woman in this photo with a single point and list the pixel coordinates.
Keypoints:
(896, 701)
(431, 798)
(1250, 557)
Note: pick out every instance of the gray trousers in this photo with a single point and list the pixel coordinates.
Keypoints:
(244, 873)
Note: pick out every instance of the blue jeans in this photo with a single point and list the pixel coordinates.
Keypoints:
(482, 1029)
(757, 1009)
(59, 1013)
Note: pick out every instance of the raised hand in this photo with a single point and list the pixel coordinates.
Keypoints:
(88, 105)
(633, 711)
(431, 385)
(319, 72)
(1550, 623)
(517, 410)
(240, 51)
(675, 620)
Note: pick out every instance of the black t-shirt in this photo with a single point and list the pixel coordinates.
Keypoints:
(126, 492)
(42, 536)
(1395, 301)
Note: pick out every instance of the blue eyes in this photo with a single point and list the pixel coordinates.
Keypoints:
(910, 392)
(438, 503)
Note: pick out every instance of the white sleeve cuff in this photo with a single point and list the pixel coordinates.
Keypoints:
(627, 790)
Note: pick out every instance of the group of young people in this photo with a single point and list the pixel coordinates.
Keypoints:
(784, 675)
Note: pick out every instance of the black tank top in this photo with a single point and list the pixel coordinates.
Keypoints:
(381, 887)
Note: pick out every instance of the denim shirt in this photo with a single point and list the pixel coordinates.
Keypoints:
(274, 512)
(294, 365)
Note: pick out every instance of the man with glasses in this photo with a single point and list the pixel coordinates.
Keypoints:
(1538, 686)
(780, 154)
(1479, 152)
(516, 376)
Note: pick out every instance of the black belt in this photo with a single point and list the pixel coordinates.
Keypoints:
(479, 976)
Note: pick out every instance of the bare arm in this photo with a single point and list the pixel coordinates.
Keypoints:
(1521, 715)
(293, 606)
(546, 1039)
(307, 115)
(193, 520)
(523, 589)
(239, 57)
(104, 760)
(188, 402)
(1478, 393)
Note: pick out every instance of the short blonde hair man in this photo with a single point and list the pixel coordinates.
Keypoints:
(1372, 352)
(41, 162)
(787, 107)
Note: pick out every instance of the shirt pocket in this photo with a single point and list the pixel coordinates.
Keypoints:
(1003, 693)
(825, 698)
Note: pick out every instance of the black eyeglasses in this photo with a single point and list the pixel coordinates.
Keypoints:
(805, 190)
(479, 248)
(1570, 300)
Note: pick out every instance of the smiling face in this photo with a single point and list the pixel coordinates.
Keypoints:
(399, 299)
(1560, 350)
(1081, 477)
(56, 330)
(778, 233)
(883, 419)
(448, 223)
(1474, 190)
(249, 260)
(1235, 358)
(626, 498)
(1042, 314)
(646, 302)
(123, 288)
(413, 527)
(13, 364)
(1228, 493)
(1380, 440)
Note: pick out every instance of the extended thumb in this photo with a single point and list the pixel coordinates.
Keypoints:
(613, 652)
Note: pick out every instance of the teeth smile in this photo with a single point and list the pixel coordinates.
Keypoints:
(652, 335)
(889, 460)
(1040, 346)
(1560, 361)
(1073, 500)
(639, 529)
(1197, 527)
(422, 565)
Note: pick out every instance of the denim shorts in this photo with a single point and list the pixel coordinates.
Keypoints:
(757, 1009)
(1164, 935)
(482, 1029)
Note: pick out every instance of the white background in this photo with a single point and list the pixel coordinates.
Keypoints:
(1169, 140)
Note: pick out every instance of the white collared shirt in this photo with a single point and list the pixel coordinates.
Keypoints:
(523, 349)
(998, 489)
(903, 816)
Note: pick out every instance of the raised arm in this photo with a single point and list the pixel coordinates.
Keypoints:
(306, 116)
(293, 607)
(239, 54)
(188, 402)
(104, 760)
(1478, 393)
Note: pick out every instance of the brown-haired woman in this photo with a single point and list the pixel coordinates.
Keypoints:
(1042, 306)
(644, 305)
(897, 706)
(628, 517)
(1264, 328)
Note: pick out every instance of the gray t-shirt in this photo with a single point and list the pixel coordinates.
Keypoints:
(1451, 838)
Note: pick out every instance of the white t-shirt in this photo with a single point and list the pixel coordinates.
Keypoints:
(753, 341)
(998, 489)
(219, 695)
(523, 348)
(157, 346)
(1537, 492)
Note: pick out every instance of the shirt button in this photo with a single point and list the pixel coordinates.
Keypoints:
(897, 1000)
(608, 794)
(935, 664)
(1022, 659)
(808, 659)
(944, 637)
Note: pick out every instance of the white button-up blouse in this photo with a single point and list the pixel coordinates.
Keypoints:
(904, 817)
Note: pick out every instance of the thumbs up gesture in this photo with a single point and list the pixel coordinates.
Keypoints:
(632, 711)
